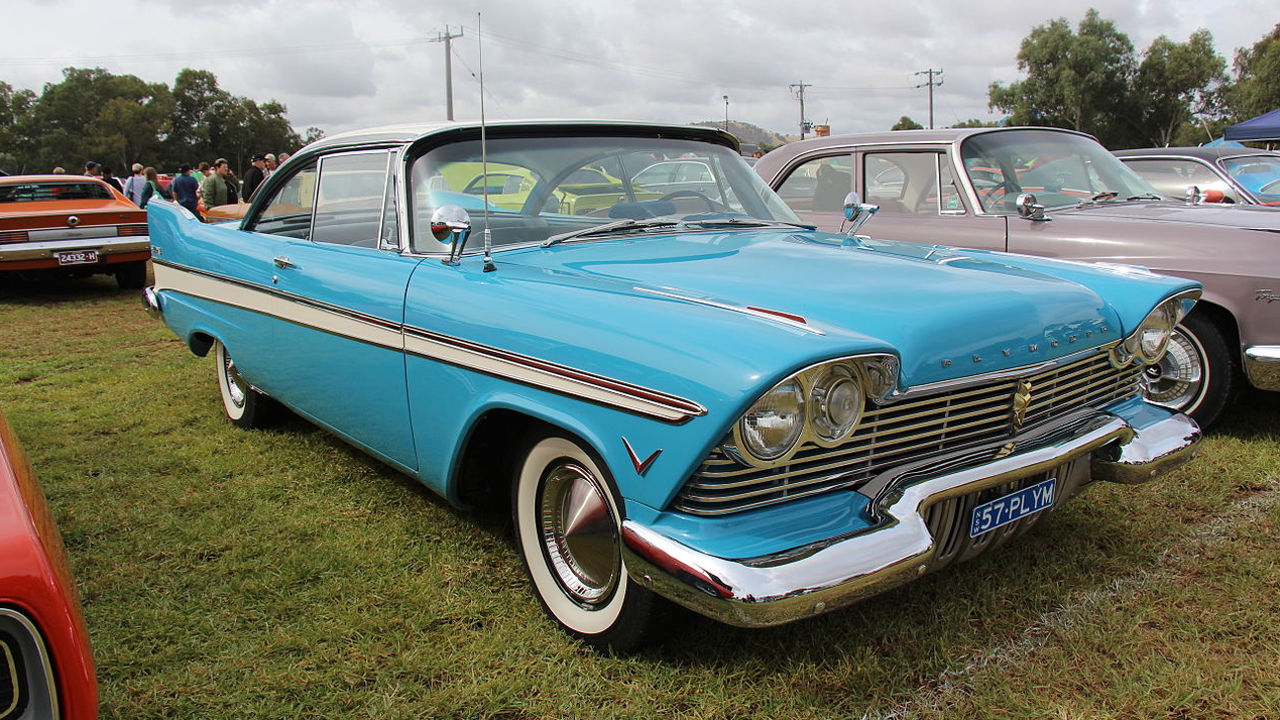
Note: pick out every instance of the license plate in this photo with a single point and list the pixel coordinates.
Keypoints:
(1016, 505)
(77, 257)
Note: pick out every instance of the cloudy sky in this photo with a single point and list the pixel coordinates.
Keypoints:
(343, 64)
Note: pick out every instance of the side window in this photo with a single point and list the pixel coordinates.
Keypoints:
(349, 201)
(288, 214)
(919, 183)
(820, 184)
(1172, 177)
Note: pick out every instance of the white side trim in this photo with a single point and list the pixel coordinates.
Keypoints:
(434, 346)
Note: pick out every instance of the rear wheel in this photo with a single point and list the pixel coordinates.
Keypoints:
(568, 527)
(132, 275)
(1197, 376)
(245, 406)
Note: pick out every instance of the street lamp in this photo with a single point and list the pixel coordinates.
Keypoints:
(726, 113)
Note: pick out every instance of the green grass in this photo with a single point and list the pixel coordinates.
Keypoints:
(281, 574)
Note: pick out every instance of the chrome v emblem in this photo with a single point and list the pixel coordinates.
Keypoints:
(641, 466)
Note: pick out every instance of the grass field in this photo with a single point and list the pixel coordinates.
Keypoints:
(281, 574)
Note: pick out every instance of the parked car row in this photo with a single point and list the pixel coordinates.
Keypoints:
(688, 394)
(1060, 194)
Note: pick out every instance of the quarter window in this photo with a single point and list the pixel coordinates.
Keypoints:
(288, 214)
(819, 185)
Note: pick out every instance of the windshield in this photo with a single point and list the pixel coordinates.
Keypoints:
(1061, 169)
(543, 187)
(1259, 174)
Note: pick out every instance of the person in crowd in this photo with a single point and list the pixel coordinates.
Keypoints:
(152, 187)
(133, 186)
(213, 189)
(92, 169)
(204, 169)
(254, 176)
(283, 156)
(186, 190)
(109, 178)
(271, 164)
(59, 170)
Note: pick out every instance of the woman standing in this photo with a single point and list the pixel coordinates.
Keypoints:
(152, 187)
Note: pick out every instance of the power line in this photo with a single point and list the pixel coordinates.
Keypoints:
(931, 85)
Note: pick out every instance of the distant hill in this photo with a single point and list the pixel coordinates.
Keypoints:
(748, 134)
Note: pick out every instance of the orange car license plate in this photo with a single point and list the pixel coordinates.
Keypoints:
(77, 257)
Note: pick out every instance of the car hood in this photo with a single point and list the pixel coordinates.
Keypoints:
(947, 313)
(1251, 217)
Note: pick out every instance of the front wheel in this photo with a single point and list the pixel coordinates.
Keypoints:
(245, 406)
(568, 528)
(1197, 376)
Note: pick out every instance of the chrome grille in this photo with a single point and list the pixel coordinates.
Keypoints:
(914, 428)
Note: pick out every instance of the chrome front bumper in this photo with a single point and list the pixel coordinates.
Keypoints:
(1262, 366)
(806, 581)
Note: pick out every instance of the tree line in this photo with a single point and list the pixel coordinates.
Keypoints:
(118, 120)
(1178, 93)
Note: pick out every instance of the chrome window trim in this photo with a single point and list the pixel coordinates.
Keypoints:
(42, 662)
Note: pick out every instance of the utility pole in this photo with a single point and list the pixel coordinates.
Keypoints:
(799, 88)
(726, 113)
(931, 85)
(447, 39)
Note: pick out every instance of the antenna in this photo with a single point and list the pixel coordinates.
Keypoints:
(484, 155)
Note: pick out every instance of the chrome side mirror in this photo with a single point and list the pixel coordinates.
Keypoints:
(451, 224)
(857, 212)
(1030, 209)
(1194, 195)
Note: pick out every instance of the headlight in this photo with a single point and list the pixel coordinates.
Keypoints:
(773, 425)
(1151, 339)
(835, 404)
(820, 405)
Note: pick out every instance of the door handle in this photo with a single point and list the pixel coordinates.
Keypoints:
(282, 262)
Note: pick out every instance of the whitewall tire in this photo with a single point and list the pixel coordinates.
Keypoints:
(567, 520)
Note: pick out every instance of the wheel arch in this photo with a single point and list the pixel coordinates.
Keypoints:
(1224, 320)
(486, 462)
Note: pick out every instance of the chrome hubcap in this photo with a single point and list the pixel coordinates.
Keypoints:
(579, 535)
(235, 383)
(1176, 380)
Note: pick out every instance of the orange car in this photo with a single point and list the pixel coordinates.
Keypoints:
(73, 225)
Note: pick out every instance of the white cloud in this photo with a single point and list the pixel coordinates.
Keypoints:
(353, 63)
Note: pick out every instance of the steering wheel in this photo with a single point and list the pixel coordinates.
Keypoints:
(711, 204)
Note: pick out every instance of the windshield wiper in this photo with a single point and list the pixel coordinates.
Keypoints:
(623, 224)
(746, 222)
(1104, 195)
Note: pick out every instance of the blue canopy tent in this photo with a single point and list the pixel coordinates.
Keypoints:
(1263, 127)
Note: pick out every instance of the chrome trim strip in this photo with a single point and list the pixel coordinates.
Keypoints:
(43, 662)
(1262, 366)
(428, 344)
(805, 581)
(46, 249)
(735, 308)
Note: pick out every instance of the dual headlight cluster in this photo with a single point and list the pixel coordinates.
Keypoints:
(822, 404)
(1148, 343)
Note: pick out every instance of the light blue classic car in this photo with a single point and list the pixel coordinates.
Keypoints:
(687, 397)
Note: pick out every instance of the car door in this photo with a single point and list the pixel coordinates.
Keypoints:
(915, 191)
(340, 280)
